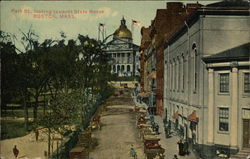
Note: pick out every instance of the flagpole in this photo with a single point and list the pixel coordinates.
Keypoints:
(98, 32)
(132, 28)
(105, 32)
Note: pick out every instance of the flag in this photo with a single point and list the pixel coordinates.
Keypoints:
(101, 25)
(134, 22)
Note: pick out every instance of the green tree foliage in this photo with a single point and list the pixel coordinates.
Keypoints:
(75, 73)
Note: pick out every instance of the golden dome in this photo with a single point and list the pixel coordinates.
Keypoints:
(123, 31)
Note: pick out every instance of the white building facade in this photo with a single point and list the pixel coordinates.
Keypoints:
(124, 54)
(207, 98)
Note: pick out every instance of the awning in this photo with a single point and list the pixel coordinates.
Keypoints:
(144, 95)
(152, 75)
(176, 115)
(193, 117)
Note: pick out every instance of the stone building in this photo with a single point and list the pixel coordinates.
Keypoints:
(206, 89)
(124, 54)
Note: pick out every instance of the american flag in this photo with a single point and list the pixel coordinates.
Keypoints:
(134, 22)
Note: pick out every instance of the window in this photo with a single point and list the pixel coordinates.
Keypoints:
(128, 68)
(224, 83)
(195, 58)
(175, 76)
(183, 72)
(196, 71)
(223, 119)
(171, 83)
(179, 75)
(246, 82)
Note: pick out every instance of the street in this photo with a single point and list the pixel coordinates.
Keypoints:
(118, 131)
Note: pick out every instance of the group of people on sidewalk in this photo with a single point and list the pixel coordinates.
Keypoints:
(183, 147)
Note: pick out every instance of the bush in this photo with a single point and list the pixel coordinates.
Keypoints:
(13, 129)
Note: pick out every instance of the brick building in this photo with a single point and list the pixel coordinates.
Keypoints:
(165, 24)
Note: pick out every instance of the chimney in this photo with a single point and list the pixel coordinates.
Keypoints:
(177, 6)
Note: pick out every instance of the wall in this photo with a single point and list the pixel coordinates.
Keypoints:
(211, 34)
(224, 32)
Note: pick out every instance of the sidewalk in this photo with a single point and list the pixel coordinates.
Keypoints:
(169, 144)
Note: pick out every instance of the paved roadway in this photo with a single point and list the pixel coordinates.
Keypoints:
(118, 130)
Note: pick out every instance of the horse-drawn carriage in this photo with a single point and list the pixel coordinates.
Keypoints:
(144, 131)
(142, 120)
(152, 148)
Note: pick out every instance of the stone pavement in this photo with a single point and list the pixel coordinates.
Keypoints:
(169, 144)
(118, 131)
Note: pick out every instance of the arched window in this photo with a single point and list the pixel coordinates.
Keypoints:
(183, 72)
(170, 75)
(122, 68)
(195, 65)
(128, 68)
(118, 68)
(174, 74)
(114, 68)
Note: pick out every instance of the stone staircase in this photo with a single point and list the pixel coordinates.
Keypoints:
(241, 154)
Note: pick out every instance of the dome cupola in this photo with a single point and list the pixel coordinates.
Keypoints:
(123, 31)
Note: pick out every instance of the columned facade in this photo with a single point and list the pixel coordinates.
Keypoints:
(124, 54)
(207, 84)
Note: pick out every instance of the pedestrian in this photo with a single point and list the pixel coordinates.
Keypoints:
(133, 152)
(15, 151)
(175, 157)
(185, 148)
(180, 146)
(157, 129)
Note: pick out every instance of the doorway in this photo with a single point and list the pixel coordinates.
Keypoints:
(246, 133)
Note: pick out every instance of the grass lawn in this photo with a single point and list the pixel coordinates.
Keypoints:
(12, 129)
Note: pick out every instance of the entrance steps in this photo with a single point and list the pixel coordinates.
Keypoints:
(241, 154)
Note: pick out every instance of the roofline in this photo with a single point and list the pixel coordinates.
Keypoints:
(236, 11)
(221, 59)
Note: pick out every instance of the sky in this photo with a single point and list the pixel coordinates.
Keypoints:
(49, 18)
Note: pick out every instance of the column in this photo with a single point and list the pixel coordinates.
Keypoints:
(210, 129)
(234, 108)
